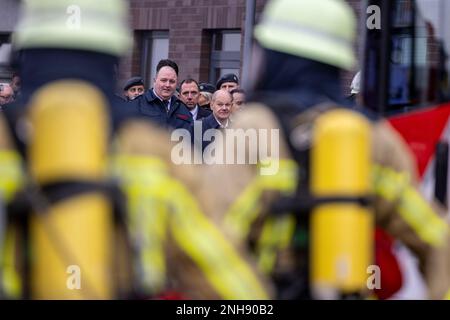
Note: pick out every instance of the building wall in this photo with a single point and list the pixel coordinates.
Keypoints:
(9, 12)
(189, 23)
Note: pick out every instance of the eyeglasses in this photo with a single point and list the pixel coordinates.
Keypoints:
(6, 97)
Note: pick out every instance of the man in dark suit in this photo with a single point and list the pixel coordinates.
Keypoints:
(159, 102)
(189, 94)
(221, 105)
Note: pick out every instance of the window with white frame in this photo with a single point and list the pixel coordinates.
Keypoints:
(225, 54)
(5, 52)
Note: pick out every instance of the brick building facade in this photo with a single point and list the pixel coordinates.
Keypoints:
(9, 11)
(205, 37)
(192, 31)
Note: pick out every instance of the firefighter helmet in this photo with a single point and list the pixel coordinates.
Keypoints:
(99, 26)
(319, 30)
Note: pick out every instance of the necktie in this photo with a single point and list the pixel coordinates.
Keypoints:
(166, 105)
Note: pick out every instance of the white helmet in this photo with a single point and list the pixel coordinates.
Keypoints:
(322, 30)
(94, 25)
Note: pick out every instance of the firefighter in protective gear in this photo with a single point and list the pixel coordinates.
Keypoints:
(103, 211)
(301, 47)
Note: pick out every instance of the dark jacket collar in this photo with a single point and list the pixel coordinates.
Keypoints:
(203, 113)
(210, 122)
(150, 96)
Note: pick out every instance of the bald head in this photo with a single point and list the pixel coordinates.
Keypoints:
(221, 103)
(222, 94)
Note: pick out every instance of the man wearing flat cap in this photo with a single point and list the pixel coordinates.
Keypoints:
(228, 82)
(133, 88)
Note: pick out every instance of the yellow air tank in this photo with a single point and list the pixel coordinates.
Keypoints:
(70, 240)
(341, 232)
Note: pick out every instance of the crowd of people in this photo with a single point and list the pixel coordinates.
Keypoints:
(9, 91)
(180, 103)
